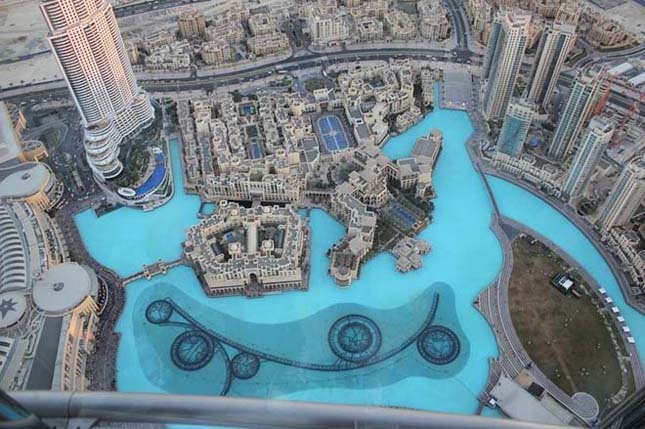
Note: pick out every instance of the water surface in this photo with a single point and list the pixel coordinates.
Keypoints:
(465, 258)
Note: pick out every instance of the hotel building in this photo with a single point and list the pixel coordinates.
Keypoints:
(517, 122)
(594, 142)
(250, 251)
(86, 42)
(584, 93)
(555, 44)
(503, 59)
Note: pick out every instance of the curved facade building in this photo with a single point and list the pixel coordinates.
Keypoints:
(49, 305)
(87, 44)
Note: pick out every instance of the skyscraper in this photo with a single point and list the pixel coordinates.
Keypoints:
(555, 44)
(593, 144)
(584, 93)
(506, 47)
(625, 197)
(87, 44)
(517, 122)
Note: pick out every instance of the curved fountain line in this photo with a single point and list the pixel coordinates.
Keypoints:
(304, 365)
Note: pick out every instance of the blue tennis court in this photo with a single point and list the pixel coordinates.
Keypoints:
(332, 133)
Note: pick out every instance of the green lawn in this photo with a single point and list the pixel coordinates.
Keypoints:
(568, 338)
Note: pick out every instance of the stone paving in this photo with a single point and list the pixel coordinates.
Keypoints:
(101, 366)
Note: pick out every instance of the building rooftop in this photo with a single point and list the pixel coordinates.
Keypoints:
(517, 403)
(13, 306)
(638, 80)
(24, 180)
(63, 287)
(620, 69)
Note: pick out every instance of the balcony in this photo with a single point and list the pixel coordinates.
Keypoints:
(56, 409)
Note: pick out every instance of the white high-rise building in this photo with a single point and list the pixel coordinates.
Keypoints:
(506, 46)
(625, 197)
(517, 122)
(593, 144)
(326, 26)
(87, 44)
(555, 44)
(584, 93)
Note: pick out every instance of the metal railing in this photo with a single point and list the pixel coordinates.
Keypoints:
(236, 412)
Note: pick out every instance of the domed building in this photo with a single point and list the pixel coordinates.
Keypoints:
(32, 182)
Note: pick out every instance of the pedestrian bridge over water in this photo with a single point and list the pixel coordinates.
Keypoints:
(149, 271)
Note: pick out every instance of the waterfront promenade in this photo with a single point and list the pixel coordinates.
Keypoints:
(583, 226)
(101, 367)
(493, 301)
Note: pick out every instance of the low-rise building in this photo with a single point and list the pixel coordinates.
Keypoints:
(243, 187)
(480, 14)
(369, 29)
(408, 252)
(427, 87)
(269, 44)
(191, 24)
(434, 24)
(327, 26)
(399, 25)
(262, 23)
(217, 52)
(524, 167)
(173, 57)
(132, 49)
(250, 251)
(232, 32)
(159, 39)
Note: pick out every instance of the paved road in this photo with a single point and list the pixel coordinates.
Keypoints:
(290, 64)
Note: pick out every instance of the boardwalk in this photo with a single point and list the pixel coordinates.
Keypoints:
(101, 366)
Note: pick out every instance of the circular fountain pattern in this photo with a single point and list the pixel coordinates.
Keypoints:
(355, 338)
(159, 312)
(192, 350)
(245, 365)
(438, 345)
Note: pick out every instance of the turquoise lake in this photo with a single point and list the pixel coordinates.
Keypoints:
(283, 346)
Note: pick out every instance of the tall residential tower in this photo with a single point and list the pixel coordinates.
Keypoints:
(506, 47)
(555, 44)
(594, 142)
(87, 44)
(625, 197)
(517, 122)
(584, 93)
